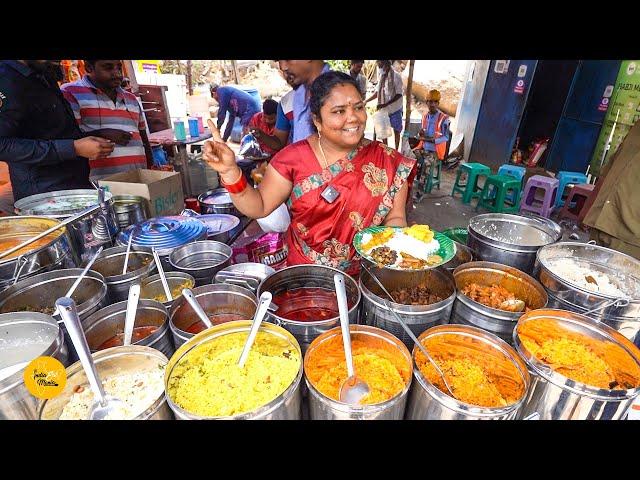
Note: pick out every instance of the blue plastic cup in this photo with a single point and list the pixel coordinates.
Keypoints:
(193, 128)
(178, 130)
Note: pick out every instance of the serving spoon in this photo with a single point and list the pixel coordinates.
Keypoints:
(261, 311)
(191, 300)
(132, 308)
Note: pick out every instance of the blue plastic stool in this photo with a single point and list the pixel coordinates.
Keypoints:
(565, 179)
(513, 171)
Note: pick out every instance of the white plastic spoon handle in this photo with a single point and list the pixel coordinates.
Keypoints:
(132, 308)
(69, 314)
(82, 275)
(263, 307)
(163, 277)
(191, 299)
(343, 308)
(126, 257)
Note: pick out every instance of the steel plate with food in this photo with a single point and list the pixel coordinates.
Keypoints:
(404, 248)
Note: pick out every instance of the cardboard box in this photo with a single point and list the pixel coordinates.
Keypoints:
(163, 190)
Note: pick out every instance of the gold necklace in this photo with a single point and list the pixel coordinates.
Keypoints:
(324, 157)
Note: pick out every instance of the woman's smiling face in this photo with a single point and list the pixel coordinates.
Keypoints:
(342, 116)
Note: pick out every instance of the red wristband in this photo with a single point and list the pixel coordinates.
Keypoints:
(236, 187)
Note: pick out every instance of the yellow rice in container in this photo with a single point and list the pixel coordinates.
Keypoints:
(209, 383)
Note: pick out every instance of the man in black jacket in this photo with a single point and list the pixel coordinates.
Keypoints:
(39, 137)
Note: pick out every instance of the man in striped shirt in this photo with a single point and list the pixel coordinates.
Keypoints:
(103, 108)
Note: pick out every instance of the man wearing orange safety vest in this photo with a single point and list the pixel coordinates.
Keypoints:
(434, 135)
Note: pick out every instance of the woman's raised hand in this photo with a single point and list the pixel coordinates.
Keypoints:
(217, 153)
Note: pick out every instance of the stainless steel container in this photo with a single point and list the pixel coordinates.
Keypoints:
(309, 276)
(41, 292)
(202, 260)
(286, 406)
(111, 362)
(87, 233)
(215, 300)
(428, 402)
(129, 210)
(499, 322)
(556, 397)
(248, 275)
(164, 234)
(151, 287)
(41, 257)
(510, 239)
(322, 407)
(622, 316)
(217, 201)
(417, 317)
(220, 227)
(110, 262)
(463, 255)
(25, 336)
(109, 322)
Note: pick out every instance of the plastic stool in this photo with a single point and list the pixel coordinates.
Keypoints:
(433, 180)
(515, 172)
(471, 190)
(565, 179)
(529, 202)
(578, 194)
(496, 199)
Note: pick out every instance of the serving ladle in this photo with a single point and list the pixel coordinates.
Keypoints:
(353, 389)
(408, 330)
(191, 300)
(132, 308)
(104, 404)
(261, 311)
(126, 257)
(163, 277)
(513, 305)
(82, 275)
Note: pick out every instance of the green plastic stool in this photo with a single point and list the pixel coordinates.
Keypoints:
(471, 190)
(433, 180)
(504, 186)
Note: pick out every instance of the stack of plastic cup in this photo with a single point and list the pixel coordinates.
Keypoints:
(193, 128)
(200, 124)
(178, 130)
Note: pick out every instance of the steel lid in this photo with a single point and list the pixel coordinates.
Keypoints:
(59, 203)
(219, 196)
(164, 232)
(522, 231)
(218, 223)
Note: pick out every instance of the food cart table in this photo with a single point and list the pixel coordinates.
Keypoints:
(167, 138)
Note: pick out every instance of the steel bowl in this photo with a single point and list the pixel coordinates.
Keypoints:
(554, 396)
(428, 402)
(25, 336)
(202, 260)
(217, 299)
(110, 262)
(510, 239)
(321, 407)
(112, 361)
(248, 275)
(151, 287)
(417, 317)
(499, 322)
(217, 201)
(309, 276)
(623, 316)
(287, 406)
(109, 322)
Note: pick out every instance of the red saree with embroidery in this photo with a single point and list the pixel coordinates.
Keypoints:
(368, 178)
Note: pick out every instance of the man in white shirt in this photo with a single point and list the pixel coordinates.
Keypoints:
(389, 94)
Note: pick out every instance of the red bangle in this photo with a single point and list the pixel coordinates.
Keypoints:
(236, 187)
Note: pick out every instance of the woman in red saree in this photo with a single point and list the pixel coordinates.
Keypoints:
(337, 182)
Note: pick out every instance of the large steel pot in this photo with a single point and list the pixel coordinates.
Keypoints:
(151, 287)
(499, 322)
(89, 232)
(52, 252)
(417, 317)
(217, 201)
(309, 276)
(321, 407)
(110, 262)
(287, 406)
(25, 336)
(500, 361)
(110, 362)
(108, 322)
(510, 239)
(623, 316)
(202, 260)
(219, 299)
(129, 210)
(41, 291)
(554, 396)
